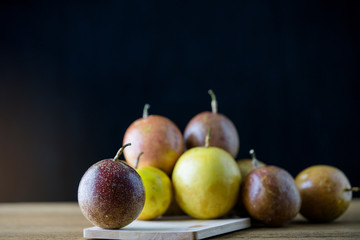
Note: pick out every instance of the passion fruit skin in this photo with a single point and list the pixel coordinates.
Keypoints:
(160, 140)
(246, 166)
(158, 192)
(206, 182)
(269, 195)
(323, 192)
(223, 135)
(111, 194)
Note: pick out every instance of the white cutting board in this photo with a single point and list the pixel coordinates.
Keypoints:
(170, 229)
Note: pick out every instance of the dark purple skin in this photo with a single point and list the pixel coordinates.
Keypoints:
(223, 132)
(111, 194)
(270, 195)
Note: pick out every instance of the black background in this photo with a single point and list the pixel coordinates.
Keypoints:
(75, 75)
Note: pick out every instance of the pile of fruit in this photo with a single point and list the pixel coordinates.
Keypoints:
(197, 173)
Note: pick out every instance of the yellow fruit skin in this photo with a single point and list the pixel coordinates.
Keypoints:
(206, 182)
(246, 166)
(158, 192)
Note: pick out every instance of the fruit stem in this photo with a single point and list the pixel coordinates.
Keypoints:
(207, 138)
(118, 154)
(146, 110)
(255, 162)
(353, 189)
(213, 101)
(137, 160)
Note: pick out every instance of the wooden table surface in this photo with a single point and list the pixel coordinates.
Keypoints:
(65, 221)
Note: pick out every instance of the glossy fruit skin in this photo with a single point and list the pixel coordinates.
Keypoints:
(322, 191)
(246, 166)
(270, 195)
(160, 140)
(223, 135)
(206, 182)
(111, 194)
(158, 192)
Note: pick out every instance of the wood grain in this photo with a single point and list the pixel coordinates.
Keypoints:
(65, 221)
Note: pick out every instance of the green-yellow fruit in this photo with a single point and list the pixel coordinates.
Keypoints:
(246, 166)
(158, 192)
(206, 182)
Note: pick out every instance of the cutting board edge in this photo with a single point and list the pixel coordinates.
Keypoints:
(96, 233)
(235, 224)
(241, 224)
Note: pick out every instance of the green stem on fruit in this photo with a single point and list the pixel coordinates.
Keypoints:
(146, 110)
(213, 101)
(207, 138)
(255, 162)
(137, 160)
(118, 154)
(353, 189)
